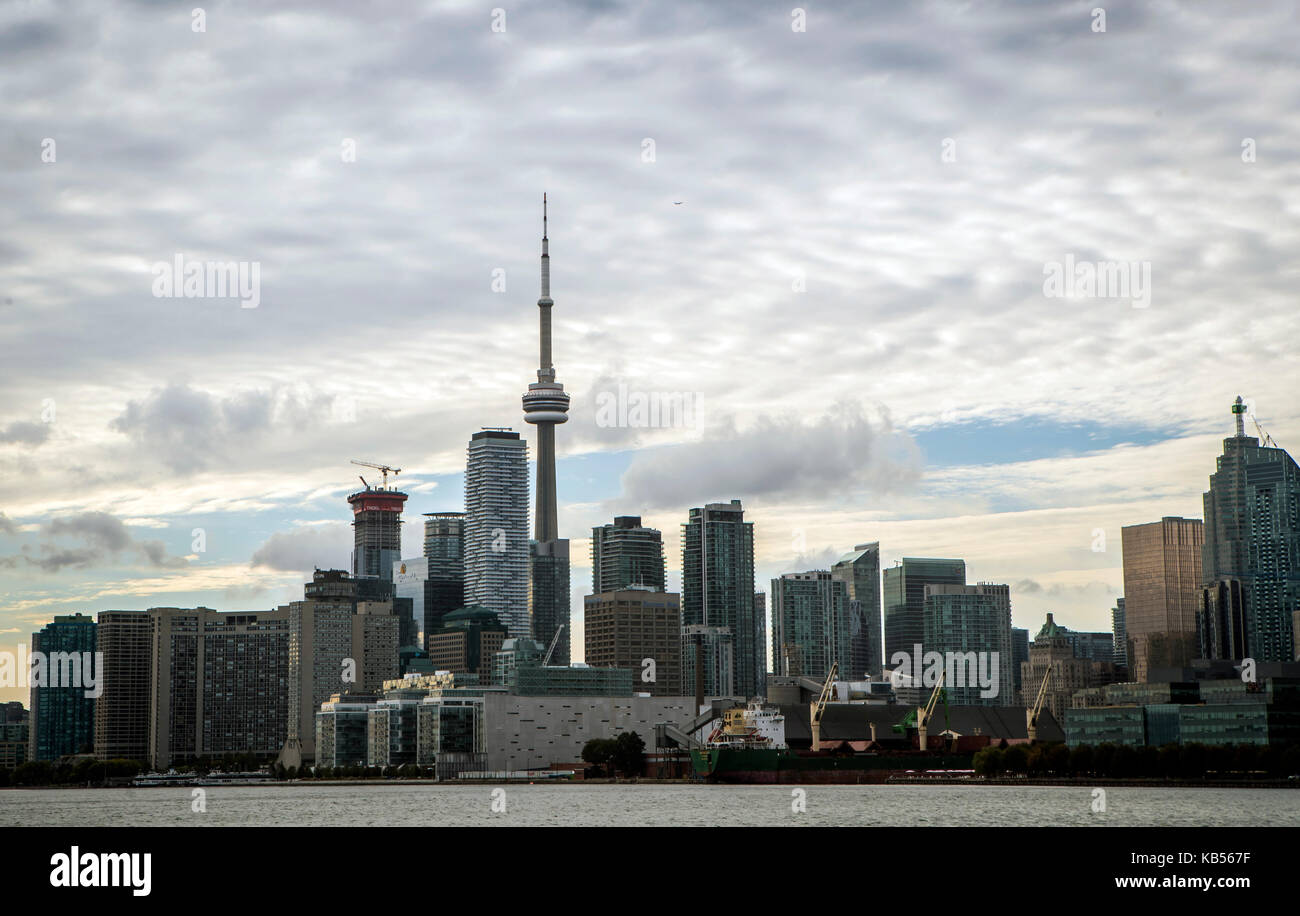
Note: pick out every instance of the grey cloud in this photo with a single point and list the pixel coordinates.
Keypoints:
(25, 432)
(103, 538)
(302, 549)
(837, 457)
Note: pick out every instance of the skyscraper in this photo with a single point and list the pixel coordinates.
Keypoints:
(973, 619)
(624, 627)
(810, 625)
(125, 641)
(626, 554)
(859, 570)
(496, 527)
(904, 599)
(1162, 590)
(545, 405)
(62, 715)
(377, 531)
(718, 585)
(1119, 635)
(444, 549)
(1251, 556)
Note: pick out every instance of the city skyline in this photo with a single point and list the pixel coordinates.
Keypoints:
(965, 414)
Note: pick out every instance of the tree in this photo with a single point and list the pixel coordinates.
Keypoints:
(598, 752)
(629, 753)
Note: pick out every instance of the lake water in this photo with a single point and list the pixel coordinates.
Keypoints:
(647, 805)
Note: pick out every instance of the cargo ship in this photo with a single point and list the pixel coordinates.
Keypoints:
(749, 746)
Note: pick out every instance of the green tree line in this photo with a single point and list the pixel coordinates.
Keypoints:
(1117, 761)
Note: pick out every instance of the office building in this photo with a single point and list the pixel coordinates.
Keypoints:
(1251, 554)
(467, 641)
(811, 630)
(62, 715)
(1119, 636)
(1053, 649)
(15, 735)
(496, 527)
(1162, 590)
(718, 587)
(859, 570)
(709, 661)
(626, 554)
(444, 553)
(904, 599)
(625, 627)
(1019, 654)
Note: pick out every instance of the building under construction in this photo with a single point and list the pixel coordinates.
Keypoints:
(377, 527)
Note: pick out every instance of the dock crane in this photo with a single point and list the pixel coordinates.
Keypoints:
(382, 468)
(818, 708)
(555, 641)
(1032, 713)
(923, 715)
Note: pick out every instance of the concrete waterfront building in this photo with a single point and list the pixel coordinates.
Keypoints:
(626, 554)
(904, 599)
(546, 405)
(125, 643)
(496, 527)
(62, 716)
(859, 570)
(219, 683)
(1162, 592)
(718, 587)
(444, 554)
(466, 642)
(624, 627)
(377, 531)
(973, 621)
(1251, 554)
(811, 629)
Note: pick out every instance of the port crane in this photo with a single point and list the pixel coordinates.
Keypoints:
(555, 641)
(381, 468)
(819, 708)
(1032, 713)
(923, 715)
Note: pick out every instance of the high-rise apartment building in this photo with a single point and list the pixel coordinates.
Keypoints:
(973, 622)
(496, 527)
(219, 683)
(708, 661)
(859, 570)
(1119, 635)
(626, 554)
(718, 584)
(1162, 591)
(125, 643)
(904, 599)
(1251, 556)
(625, 627)
(62, 715)
(810, 625)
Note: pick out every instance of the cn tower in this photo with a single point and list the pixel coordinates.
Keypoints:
(545, 405)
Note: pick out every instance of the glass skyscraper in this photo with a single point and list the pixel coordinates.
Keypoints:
(904, 599)
(62, 717)
(718, 584)
(1250, 563)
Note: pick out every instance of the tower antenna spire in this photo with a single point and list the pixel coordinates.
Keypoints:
(1239, 412)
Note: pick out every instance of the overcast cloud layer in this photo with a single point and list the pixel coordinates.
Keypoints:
(851, 285)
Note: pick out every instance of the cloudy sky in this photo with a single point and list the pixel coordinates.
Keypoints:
(853, 290)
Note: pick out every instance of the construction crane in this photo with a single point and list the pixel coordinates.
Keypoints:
(555, 641)
(819, 708)
(1032, 713)
(1240, 408)
(381, 468)
(923, 715)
